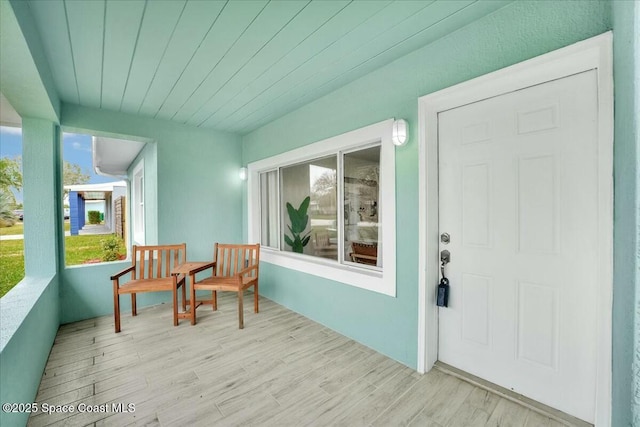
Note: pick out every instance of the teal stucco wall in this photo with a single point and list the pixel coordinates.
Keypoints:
(34, 318)
(626, 297)
(198, 199)
(510, 35)
(30, 312)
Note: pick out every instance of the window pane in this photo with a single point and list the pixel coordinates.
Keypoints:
(362, 224)
(138, 206)
(269, 207)
(310, 228)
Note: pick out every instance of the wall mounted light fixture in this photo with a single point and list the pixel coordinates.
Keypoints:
(243, 173)
(400, 132)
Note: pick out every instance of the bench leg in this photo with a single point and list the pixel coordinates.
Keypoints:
(116, 310)
(184, 296)
(214, 299)
(175, 307)
(240, 309)
(194, 305)
(134, 309)
(255, 297)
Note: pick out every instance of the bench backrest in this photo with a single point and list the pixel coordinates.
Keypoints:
(153, 262)
(231, 259)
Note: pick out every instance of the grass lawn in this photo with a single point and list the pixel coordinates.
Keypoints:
(78, 250)
(11, 264)
(18, 228)
(14, 229)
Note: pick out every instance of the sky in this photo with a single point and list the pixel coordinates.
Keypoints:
(76, 149)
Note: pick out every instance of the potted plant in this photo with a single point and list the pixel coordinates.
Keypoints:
(299, 220)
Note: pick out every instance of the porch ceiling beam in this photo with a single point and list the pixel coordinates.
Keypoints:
(25, 75)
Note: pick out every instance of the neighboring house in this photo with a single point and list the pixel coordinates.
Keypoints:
(296, 90)
(83, 196)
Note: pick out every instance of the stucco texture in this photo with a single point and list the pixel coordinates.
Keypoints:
(510, 35)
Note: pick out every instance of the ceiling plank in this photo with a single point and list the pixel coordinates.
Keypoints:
(385, 24)
(303, 26)
(86, 28)
(192, 28)
(158, 24)
(420, 30)
(257, 31)
(337, 27)
(387, 49)
(52, 24)
(122, 25)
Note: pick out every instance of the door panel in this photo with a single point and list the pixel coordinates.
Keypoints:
(518, 196)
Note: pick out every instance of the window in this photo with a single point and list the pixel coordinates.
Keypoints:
(138, 204)
(314, 184)
(269, 206)
(323, 209)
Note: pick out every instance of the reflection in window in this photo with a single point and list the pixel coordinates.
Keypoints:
(310, 220)
(301, 215)
(361, 206)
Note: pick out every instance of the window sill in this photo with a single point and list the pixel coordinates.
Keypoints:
(371, 280)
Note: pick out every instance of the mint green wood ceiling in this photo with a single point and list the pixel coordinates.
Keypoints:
(232, 65)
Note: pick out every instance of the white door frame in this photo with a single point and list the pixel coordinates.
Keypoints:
(594, 53)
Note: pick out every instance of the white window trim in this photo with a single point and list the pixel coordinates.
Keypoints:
(138, 228)
(594, 53)
(384, 281)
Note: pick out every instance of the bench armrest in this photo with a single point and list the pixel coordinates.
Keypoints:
(123, 272)
(247, 270)
(203, 267)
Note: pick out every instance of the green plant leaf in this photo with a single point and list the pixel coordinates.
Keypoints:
(305, 241)
(303, 223)
(293, 217)
(288, 240)
(304, 206)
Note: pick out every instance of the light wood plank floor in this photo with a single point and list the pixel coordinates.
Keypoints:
(281, 370)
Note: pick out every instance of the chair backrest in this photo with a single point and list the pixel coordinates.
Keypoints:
(364, 253)
(322, 240)
(153, 262)
(231, 259)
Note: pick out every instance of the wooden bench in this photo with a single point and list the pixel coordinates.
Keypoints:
(234, 268)
(151, 272)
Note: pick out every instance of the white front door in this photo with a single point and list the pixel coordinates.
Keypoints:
(518, 190)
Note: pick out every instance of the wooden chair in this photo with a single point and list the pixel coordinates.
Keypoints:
(364, 253)
(235, 268)
(323, 247)
(150, 270)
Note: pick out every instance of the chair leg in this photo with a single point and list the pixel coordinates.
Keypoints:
(175, 307)
(193, 303)
(214, 299)
(134, 309)
(116, 310)
(255, 297)
(240, 309)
